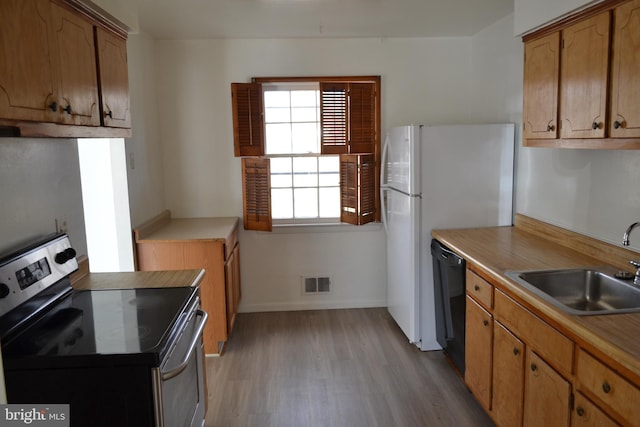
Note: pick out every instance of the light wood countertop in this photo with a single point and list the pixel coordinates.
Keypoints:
(493, 251)
(140, 279)
(164, 228)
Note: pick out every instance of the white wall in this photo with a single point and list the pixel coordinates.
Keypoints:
(144, 153)
(473, 80)
(423, 81)
(532, 14)
(40, 183)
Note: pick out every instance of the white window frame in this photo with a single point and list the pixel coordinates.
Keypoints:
(291, 86)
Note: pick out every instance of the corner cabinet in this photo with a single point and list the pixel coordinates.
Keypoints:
(52, 84)
(581, 73)
(166, 243)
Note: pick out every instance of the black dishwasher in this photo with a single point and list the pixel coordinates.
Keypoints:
(449, 287)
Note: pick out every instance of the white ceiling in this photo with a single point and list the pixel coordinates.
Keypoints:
(194, 19)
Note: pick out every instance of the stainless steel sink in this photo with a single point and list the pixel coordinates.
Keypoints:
(582, 291)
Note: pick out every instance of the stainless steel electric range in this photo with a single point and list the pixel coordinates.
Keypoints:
(130, 357)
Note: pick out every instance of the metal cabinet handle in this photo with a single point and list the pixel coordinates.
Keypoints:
(53, 106)
(485, 322)
(595, 125)
(194, 341)
(617, 124)
(476, 288)
(606, 387)
(516, 351)
(550, 128)
(580, 411)
(109, 114)
(67, 109)
(534, 367)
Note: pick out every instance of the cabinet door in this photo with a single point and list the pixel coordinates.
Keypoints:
(546, 394)
(586, 414)
(585, 61)
(28, 83)
(478, 339)
(76, 57)
(508, 377)
(232, 284)
(114, 83)
(540, 90)
(625, 69)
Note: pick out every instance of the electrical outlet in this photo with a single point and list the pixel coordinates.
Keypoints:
(61, 226)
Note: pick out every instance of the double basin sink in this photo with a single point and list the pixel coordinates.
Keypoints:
(582, 291)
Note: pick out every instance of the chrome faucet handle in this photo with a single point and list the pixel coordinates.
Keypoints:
(625, 238)
(636, 279)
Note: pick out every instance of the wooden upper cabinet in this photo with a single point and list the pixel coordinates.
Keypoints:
(28, 81)
(540, 91)
(584, 78)
(49, 74)
(625, 72)
(114, 80)
(76, 56)
(248, 119)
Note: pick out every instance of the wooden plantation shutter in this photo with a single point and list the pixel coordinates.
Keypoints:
(248, 119)
(333, 117)
(348, 117)
(357, 188)
(256, 192)
(362, 117)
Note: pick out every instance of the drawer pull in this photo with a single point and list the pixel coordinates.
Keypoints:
(476, 288)
(534, 367)
(516, 351)
(580, 411)
(606, 387)
(485, 322)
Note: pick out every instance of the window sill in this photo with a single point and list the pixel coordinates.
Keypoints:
(325, 228)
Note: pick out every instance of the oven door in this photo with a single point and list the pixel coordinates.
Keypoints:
(179, 381)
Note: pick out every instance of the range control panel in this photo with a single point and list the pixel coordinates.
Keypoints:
(27, 272)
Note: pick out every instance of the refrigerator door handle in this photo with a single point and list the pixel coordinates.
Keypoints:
(383, 209)
(383, 168)
(383, 185)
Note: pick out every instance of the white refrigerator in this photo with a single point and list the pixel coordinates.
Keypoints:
(437, 177)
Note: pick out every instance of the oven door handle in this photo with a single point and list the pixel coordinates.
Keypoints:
(194, 342)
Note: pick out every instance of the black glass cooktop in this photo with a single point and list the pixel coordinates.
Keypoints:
(132, 324)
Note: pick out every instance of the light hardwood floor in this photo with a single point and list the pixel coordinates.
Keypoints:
(333, 368)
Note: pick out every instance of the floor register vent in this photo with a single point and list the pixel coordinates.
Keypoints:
(316, 285)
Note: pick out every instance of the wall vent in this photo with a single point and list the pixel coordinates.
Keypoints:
(316, 285)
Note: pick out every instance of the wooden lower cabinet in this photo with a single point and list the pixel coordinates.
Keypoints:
(586, 414)
(211, 244)
(508, 377)
(232, 285)
(547, 395)
(613, 393)
(478, 339)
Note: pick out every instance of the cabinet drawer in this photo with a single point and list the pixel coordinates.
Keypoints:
(586, 413)
(479, 289)
(597, 379)
(554, 347)
(230, 243)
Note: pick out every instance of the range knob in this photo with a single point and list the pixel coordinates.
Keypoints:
(64, 256)
(4, 290)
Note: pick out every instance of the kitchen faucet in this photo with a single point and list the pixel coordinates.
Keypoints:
(625, 242)
(625, 238)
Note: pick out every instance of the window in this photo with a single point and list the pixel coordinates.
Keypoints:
(305, 185)
(316, 142)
